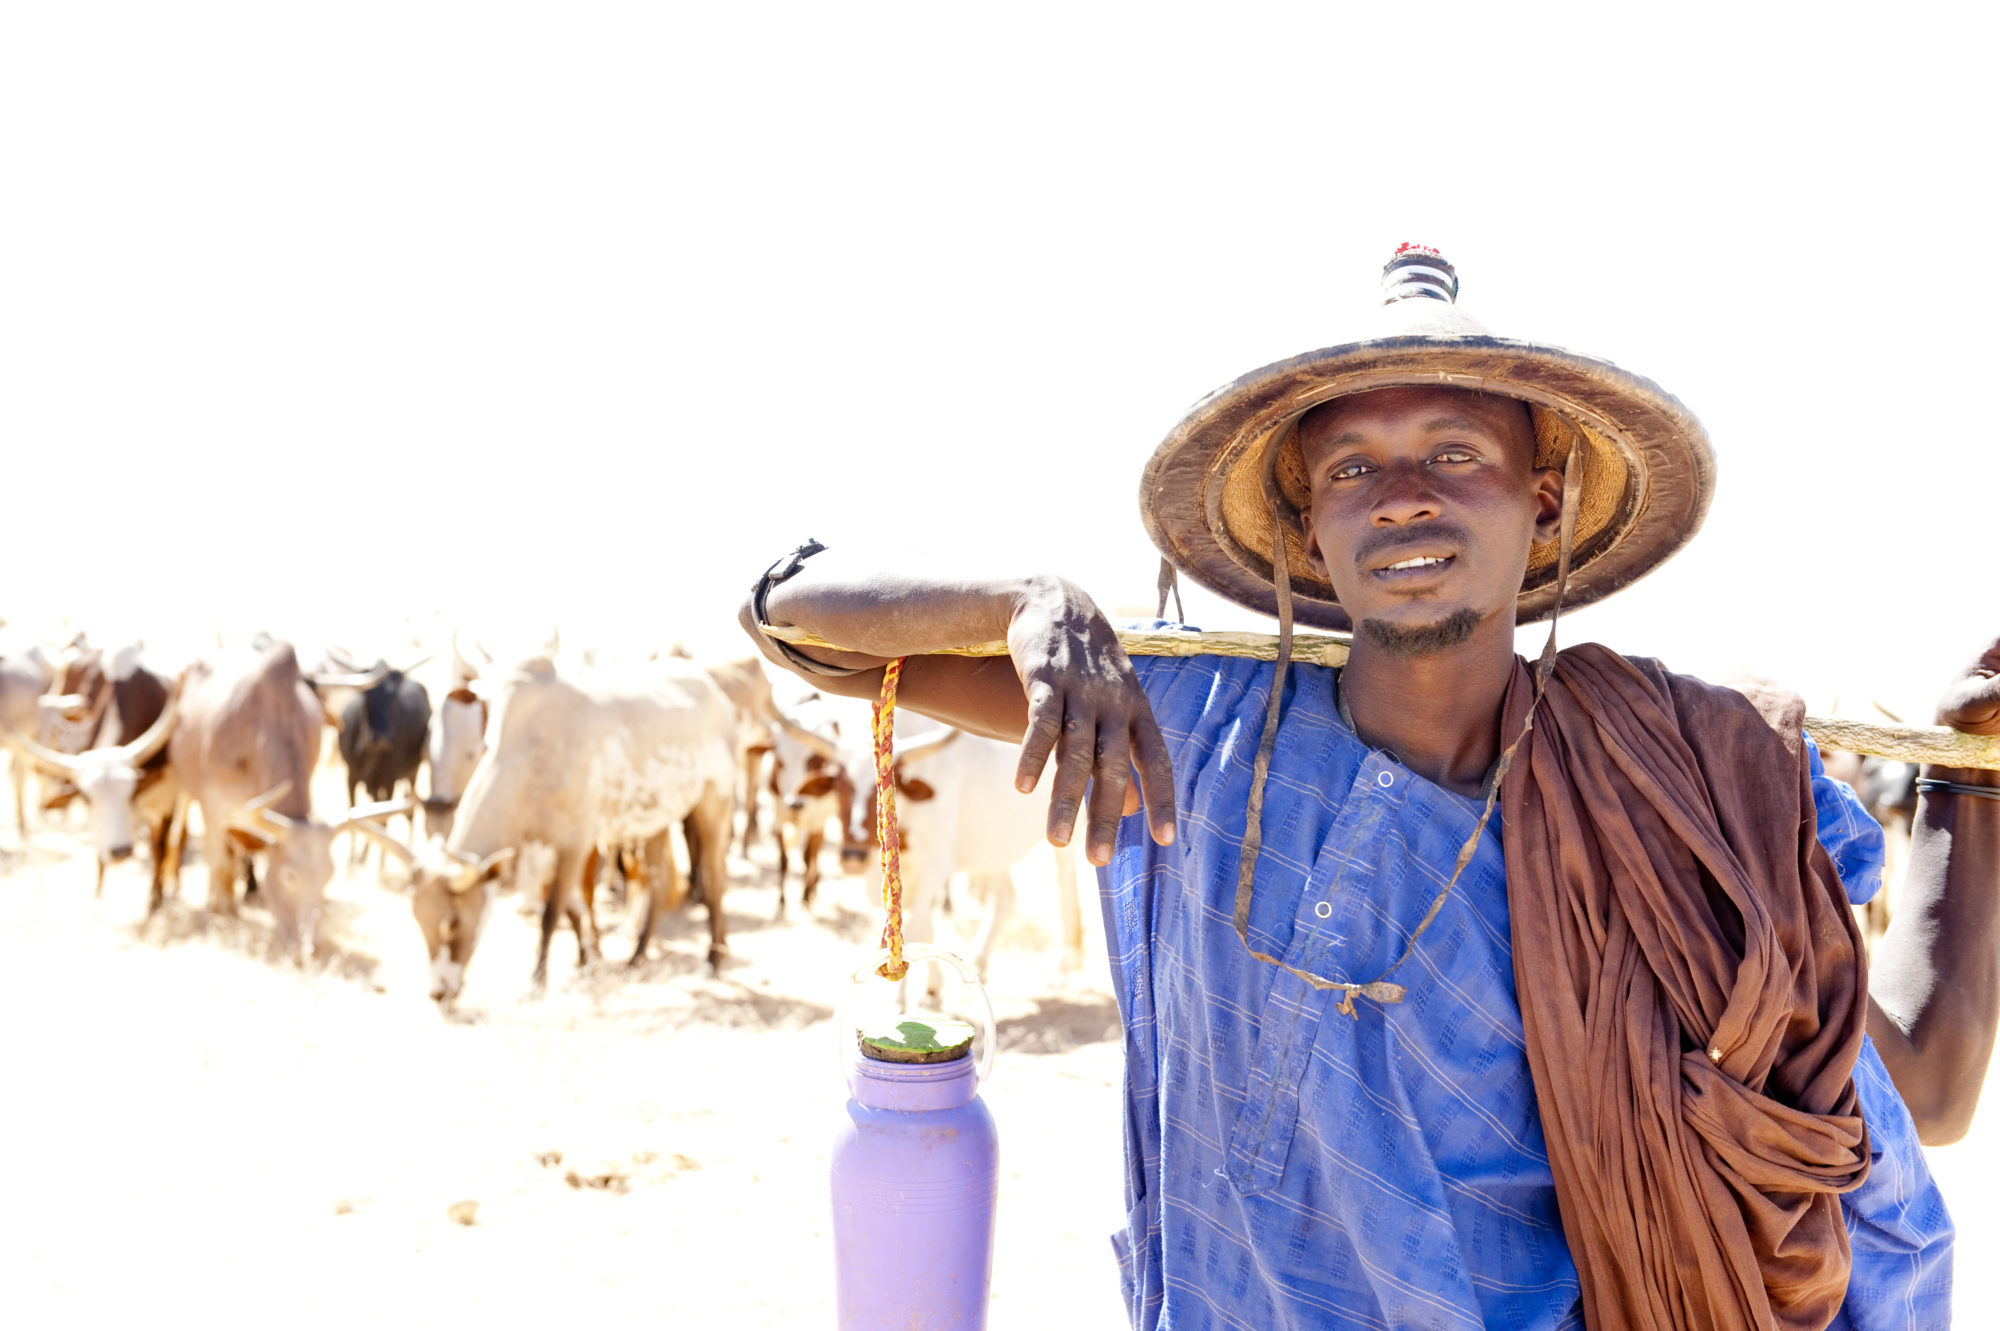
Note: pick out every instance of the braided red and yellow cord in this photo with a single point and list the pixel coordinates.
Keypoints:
(895, 968)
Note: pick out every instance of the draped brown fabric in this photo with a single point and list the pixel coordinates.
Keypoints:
(1692, 992)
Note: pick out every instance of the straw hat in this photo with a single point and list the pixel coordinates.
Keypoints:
(1231, 471)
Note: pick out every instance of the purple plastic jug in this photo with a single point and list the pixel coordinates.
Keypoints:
(916, 1169)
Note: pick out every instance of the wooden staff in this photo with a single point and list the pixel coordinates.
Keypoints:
(1909, 744)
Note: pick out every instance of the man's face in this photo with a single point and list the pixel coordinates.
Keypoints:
(1424, 504)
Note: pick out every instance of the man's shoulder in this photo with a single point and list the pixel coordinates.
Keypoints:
(1737, 702)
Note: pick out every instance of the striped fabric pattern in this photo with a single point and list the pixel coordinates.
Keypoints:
(1289, 1167)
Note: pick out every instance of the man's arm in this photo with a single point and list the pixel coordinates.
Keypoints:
(1934, 986)
(1066, 691)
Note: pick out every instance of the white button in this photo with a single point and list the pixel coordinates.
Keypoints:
(1384, 779)
(1323, 909)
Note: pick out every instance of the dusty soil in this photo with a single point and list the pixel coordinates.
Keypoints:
(194, 1126)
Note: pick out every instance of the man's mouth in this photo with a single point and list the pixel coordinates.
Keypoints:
(1412, 566)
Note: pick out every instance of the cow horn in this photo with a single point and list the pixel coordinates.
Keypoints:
(65, 703)
(271, 818)
(341, 658)
(359, 821)
(417, 664)
(497, 860)
(926, 744)
(257, 819)
(269, 797)
(380, 809)
(141, 750)
(363, 680)
(463, 671)
(56, 764)
(818, 743)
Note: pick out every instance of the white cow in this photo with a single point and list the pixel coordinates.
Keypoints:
(748, 688)
(958, 812)
(24, 677)
(457, 741)
(600, 762)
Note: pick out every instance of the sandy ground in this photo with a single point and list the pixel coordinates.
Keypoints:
(191, 1126)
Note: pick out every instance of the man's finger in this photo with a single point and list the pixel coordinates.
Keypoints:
(1044, 729)
(1075, 755)
(1972, 705)
(1156, 776)
(1108, 779)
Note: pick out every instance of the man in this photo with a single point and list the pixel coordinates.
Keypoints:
(1385, 1067)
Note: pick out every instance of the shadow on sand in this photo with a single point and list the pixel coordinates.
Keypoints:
(1059, 1024)
(251, 934)
(30, 856)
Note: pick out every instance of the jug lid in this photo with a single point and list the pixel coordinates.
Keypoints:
(916, 1038)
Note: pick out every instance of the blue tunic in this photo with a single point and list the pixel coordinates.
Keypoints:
(1289, 1166)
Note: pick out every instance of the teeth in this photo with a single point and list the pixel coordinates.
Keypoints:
(1421, 561)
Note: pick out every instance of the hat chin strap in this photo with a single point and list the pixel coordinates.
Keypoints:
(1381, 989)
(1170, 581)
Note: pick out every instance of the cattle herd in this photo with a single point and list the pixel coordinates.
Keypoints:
(551, 778)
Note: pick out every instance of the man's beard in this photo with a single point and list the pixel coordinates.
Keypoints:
(1423, 639)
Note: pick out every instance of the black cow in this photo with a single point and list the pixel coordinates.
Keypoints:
(382, 734)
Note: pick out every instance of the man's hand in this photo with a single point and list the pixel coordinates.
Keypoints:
(1972, 703)
(1068, 690)
(1085, 707)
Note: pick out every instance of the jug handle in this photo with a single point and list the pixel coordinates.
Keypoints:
(915, 952)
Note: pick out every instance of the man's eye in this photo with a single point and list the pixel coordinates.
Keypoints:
(1453, 455)
(1347, 471)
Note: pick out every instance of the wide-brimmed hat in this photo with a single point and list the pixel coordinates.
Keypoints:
(1231, 472)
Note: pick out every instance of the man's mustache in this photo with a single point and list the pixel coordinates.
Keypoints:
(1393, 539)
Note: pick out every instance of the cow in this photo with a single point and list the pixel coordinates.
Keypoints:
(243, 752)
(382, 733)
(958, 812)
(810, 786)
(457, 741)
(126, 782)
(25, 676)
(79, 697)
(592, 764)
(748, 689)
(449, 896)
(1888, 791)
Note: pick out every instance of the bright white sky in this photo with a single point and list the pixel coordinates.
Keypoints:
(317, 317)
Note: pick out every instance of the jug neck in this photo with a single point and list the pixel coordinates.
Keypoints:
(912, 1086)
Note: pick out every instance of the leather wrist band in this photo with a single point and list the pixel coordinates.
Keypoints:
(1930, 785)
(784, 568)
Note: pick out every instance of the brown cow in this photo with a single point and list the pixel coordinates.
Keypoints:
(244, 752)
(810, 786)
(125, 780)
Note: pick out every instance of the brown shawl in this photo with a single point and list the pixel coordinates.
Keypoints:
(1693, 995)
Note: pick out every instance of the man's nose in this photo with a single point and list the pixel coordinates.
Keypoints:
(1404, 495)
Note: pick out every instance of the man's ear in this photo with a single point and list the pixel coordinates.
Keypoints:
(1548, 503)
(1313, 557)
